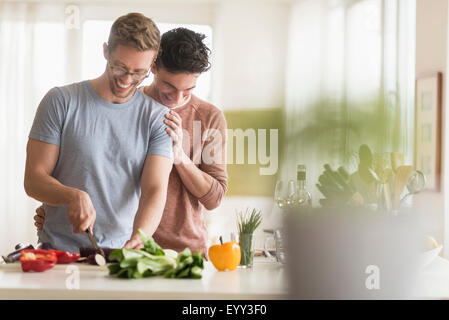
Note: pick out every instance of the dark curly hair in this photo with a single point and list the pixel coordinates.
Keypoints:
(183, 50)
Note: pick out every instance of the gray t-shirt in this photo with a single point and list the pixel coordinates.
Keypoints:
(103, 147)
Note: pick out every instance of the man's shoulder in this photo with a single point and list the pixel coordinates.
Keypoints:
(156, 108)
(203, 105)
(206, 109)
(73, 87)
(67, 91)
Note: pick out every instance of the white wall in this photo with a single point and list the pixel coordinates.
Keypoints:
(223, 220)
(249, 41)
(250, 51)
(431, 57)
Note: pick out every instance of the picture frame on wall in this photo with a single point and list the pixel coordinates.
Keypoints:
(428, 105)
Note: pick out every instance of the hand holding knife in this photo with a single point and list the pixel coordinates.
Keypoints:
(95, 245)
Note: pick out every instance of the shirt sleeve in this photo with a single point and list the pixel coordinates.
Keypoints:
(215, 148)
(49, 118)
(160, 141)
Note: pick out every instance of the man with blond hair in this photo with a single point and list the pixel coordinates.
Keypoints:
(98, 154)
(195, 180)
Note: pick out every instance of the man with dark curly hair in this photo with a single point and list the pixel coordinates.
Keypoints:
(198, 129)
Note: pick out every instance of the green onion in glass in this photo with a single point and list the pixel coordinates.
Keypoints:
(247, 224)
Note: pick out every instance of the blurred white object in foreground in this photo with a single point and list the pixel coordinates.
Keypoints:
(352, 253)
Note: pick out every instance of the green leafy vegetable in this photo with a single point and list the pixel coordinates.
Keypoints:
(187, 265)
(149, 245)
(152, 261)
(116, 255)
(196, 272)
(114, 268)
(247, 224)
(336, 186)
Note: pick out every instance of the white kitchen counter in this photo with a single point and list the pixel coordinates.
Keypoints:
(434, 280)
(266, 280)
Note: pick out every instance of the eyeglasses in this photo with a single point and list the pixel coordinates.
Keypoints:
(120, 72)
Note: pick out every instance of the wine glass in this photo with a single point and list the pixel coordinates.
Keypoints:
(292, 193)
(286, 194)
(280, 194)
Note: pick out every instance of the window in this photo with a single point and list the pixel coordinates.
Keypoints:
(48, 65)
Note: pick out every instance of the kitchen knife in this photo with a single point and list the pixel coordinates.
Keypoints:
(94, 242)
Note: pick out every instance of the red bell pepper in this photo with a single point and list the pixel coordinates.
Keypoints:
(65, 257)
(37, 260)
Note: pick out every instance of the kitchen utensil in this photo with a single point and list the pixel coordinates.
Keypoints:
(415, 184)
(386, 180)
(387, 196)
(402, 176)
(21, 246)
(94, 242)
(15, 255)
(397, 160)
(44, 246)
(279, 254)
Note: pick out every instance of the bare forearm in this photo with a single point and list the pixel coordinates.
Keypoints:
(47, 189)
(194, 179)
(149, 213)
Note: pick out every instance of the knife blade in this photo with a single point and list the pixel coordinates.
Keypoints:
(94, 242)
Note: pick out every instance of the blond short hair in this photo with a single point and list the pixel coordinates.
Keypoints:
(136, 30)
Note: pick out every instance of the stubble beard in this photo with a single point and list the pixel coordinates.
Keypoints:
(131, 91)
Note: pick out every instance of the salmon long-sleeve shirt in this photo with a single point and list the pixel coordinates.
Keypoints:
(182, 223)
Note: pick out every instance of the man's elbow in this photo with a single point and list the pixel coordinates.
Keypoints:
(30, 183)
(211, 205)
(214, 202)
(27, 185)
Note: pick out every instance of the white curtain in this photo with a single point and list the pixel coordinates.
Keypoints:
(350, 80)
(31, 62)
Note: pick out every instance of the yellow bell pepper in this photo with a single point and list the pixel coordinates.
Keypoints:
(225, 255)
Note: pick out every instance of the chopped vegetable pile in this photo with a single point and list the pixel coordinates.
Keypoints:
(40, 260)
(152, 261)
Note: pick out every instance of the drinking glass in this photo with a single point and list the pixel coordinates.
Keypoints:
(286, 194)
